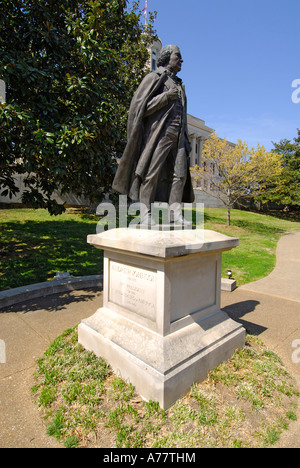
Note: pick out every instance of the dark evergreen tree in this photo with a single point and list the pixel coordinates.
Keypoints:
(70, 68)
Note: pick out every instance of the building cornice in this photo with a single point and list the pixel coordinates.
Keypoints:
(198, 123)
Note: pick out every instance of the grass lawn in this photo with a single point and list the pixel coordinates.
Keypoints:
(246, 402)
(255, 257)
(35, 245)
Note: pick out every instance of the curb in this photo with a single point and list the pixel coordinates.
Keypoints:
(16, 295)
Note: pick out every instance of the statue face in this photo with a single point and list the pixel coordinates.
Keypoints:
(175, 61)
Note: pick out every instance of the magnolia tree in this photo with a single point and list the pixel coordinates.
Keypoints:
(70, 68)
(233, 173)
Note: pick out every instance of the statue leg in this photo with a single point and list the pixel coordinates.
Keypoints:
(180, 168)
(149, 185)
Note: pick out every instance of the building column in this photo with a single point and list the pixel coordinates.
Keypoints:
(193, 152)
(201, 142)
(197, 151)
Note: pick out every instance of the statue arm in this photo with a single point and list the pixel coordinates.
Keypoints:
(146, 99)
(158, 102)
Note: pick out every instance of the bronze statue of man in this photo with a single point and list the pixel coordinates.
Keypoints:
(154, 166)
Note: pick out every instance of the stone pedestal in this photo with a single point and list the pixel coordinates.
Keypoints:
(161, 326)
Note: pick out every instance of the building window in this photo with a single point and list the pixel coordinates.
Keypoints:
(154, 60)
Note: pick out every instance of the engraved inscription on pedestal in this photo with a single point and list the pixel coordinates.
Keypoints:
(133, 289)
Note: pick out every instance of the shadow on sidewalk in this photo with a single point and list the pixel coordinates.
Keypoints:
(240, 309)
(54, 302)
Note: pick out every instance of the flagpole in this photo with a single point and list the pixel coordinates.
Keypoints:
(145, 12)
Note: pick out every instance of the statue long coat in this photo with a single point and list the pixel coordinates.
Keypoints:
(148, 113)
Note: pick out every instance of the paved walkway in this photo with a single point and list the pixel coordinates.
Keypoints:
(27, 331)
(284, 281)
(270, 307)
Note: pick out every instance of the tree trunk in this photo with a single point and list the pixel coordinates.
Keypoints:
(229, 203)
(228, 216)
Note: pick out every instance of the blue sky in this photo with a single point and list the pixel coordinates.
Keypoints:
(240, 60)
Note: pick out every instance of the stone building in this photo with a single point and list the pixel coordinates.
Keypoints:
(198, 133)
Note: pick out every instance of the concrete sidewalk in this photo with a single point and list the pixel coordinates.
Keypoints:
(27, 330)
(269, 307)
(284, 281)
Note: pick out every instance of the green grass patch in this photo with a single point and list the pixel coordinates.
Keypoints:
(247, 401)
(35, 245)
(255, 257)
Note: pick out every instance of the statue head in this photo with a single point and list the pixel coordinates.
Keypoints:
(170, 57)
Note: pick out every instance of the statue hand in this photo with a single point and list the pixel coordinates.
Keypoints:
(172, 94)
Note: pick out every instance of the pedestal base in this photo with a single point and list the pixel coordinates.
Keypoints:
(161, 368)
(161, 326)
